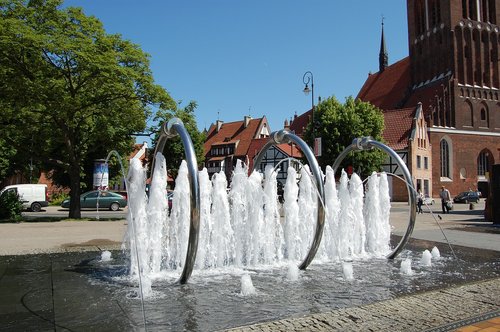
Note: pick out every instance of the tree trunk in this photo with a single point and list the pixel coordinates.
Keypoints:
(74, 204)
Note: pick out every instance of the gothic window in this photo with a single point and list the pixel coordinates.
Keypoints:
(483, 163)
(445, 158)
(438, 11)
(472, 10)
(485, 121)
(491, 11)
(433, 14)
(464, 8)
(468, 114)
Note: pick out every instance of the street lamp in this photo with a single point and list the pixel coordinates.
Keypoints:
(308, 77)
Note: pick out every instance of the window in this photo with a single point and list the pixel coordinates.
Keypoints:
(483, 163)
(426, 187)
(445, 158)
(483, 114)
(426, 162)
(419, 162)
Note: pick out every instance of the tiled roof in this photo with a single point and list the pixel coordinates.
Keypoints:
(427, 94)
(257, 145)
(299, 123)
(387, 89)
(398, 127)
(235, 131)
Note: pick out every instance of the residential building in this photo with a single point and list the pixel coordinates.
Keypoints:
(406, 133)
(228, 142)
(277, 156)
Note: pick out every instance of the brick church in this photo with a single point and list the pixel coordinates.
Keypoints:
(452, 76)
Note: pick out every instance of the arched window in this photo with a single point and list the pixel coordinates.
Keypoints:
(483, 114)
(483, 163)
(445, 158)
(468, 117)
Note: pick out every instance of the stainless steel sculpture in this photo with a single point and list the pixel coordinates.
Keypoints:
(171, 129)
(368, 143)
(285, 136)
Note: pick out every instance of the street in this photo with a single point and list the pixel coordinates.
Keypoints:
(59, 212)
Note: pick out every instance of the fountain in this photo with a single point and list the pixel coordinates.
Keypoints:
(241, 226)
(329, 250)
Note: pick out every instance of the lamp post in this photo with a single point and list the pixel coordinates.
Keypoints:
(308, 77)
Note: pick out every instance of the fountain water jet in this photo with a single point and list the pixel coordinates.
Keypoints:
(242, 226)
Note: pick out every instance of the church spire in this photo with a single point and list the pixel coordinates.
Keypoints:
(383, 57)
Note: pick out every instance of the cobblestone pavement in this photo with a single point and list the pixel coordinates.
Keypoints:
(441, 310)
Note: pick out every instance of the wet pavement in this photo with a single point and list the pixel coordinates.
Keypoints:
(71, 289)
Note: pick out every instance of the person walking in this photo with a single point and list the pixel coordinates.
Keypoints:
(420, 201)
(445, 198)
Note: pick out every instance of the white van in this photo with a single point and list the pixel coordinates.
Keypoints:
(33, 196)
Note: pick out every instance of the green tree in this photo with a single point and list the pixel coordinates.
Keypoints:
(174, 151)
(338, 124)
(70, 89)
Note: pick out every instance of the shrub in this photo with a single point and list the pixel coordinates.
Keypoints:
(58, 198)
(10, 206)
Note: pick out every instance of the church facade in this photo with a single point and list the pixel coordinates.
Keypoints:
(452, 73)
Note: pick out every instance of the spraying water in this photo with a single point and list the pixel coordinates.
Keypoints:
(426, 258)
(241, 226)
(435, 253)
(406, 267)
(106, 256)
(292, 222)
(292, 272)
(348, 270)
(222, 247)
(331, 237)
(247, 287)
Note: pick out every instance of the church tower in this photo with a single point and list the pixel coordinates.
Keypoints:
(383, 57)
(453, 73)
(459, 40)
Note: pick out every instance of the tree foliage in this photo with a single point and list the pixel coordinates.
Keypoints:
(69, 89)
(338, 124)
(174, 150)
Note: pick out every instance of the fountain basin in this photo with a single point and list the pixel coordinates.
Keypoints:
(78, 291)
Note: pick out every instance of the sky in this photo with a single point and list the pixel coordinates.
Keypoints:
(242, 57)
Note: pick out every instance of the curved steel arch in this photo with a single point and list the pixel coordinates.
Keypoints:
(171, 129)
(368, 143)
(285, 136)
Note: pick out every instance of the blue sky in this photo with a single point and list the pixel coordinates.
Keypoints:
(236, 57)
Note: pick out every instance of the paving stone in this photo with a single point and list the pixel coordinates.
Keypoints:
(417, 312)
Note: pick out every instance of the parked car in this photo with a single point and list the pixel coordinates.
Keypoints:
(121, 192)
(466, 197)
(33, 196)
(107, 199)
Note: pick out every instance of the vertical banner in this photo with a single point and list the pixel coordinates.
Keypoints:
(317, 146)
(101, 175)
